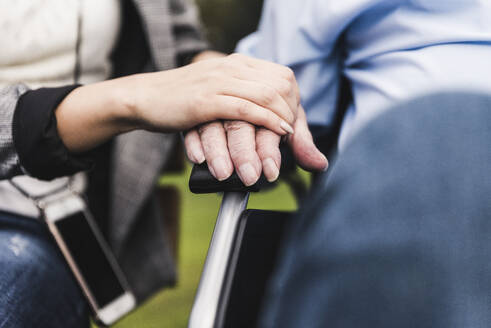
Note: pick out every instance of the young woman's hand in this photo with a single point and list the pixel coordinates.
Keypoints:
(234, 87)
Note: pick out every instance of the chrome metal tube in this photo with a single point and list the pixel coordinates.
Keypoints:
(204, 312)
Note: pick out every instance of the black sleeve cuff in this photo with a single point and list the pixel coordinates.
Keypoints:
(40, 149)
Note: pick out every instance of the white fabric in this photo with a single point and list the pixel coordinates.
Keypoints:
(39, 36)
(38, 48)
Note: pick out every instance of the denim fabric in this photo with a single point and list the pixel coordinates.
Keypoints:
(398, 234)
(36, 287)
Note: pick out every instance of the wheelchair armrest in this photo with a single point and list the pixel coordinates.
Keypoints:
(202, 182)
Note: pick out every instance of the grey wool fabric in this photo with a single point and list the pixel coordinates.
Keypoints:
(9, 161)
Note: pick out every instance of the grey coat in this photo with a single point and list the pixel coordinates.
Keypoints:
(135, 232)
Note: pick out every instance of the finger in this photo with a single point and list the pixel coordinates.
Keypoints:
(260, 94)
(287, 89)
(242, 149)
(269, 68)
(264, 65)
(268, 149)
(214, 143)
(233, 108)
(284, 88)
(303, 147)
(194, 149)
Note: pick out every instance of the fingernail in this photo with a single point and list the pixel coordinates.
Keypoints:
(327, 164)
(287, 127)
(247, 174)
(220, 168)
(199, 157)
(195, 155)
(212, 171)
(192, 158)
(270, 169)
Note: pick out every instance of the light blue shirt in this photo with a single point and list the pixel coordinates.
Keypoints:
(390, 50)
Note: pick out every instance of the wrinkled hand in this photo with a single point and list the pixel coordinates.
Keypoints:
(249, 150)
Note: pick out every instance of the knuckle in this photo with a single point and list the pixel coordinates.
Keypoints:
(266, 139)
(268, 96)
(232, 126)
(243, 109)
(232, 61)
(223, 67)
(289, 75)
(235, 56)
(206, 128)
(202, 129)
(216, 74)
(284, 88)
(269, 151)
(240, 149)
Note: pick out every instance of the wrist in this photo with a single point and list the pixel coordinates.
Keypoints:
(91, 114)
(123, 100)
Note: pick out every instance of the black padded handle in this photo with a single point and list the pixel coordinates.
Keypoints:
(202, 182)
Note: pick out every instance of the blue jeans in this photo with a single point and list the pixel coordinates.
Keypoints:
(398, 234)
(36, 287)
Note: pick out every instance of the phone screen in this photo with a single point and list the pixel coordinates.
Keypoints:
(90, 258)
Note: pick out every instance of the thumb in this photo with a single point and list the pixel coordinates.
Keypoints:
(302, 144)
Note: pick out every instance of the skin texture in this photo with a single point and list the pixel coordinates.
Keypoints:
(250, 150)
(232, 144)
(233, 87)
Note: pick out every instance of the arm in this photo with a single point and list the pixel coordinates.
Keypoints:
(233, 87)
(225, 88)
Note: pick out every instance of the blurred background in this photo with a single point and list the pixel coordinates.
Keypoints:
(226, 22)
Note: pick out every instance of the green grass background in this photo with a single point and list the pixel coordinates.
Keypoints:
(171, 307)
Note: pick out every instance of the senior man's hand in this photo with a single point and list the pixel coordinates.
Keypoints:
(250, 150)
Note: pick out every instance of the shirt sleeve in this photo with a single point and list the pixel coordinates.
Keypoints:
(306, 36)
(39, 149)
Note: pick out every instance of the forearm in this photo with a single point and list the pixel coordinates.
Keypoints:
(92, 114)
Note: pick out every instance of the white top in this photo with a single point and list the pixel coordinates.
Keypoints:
(38, 48)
